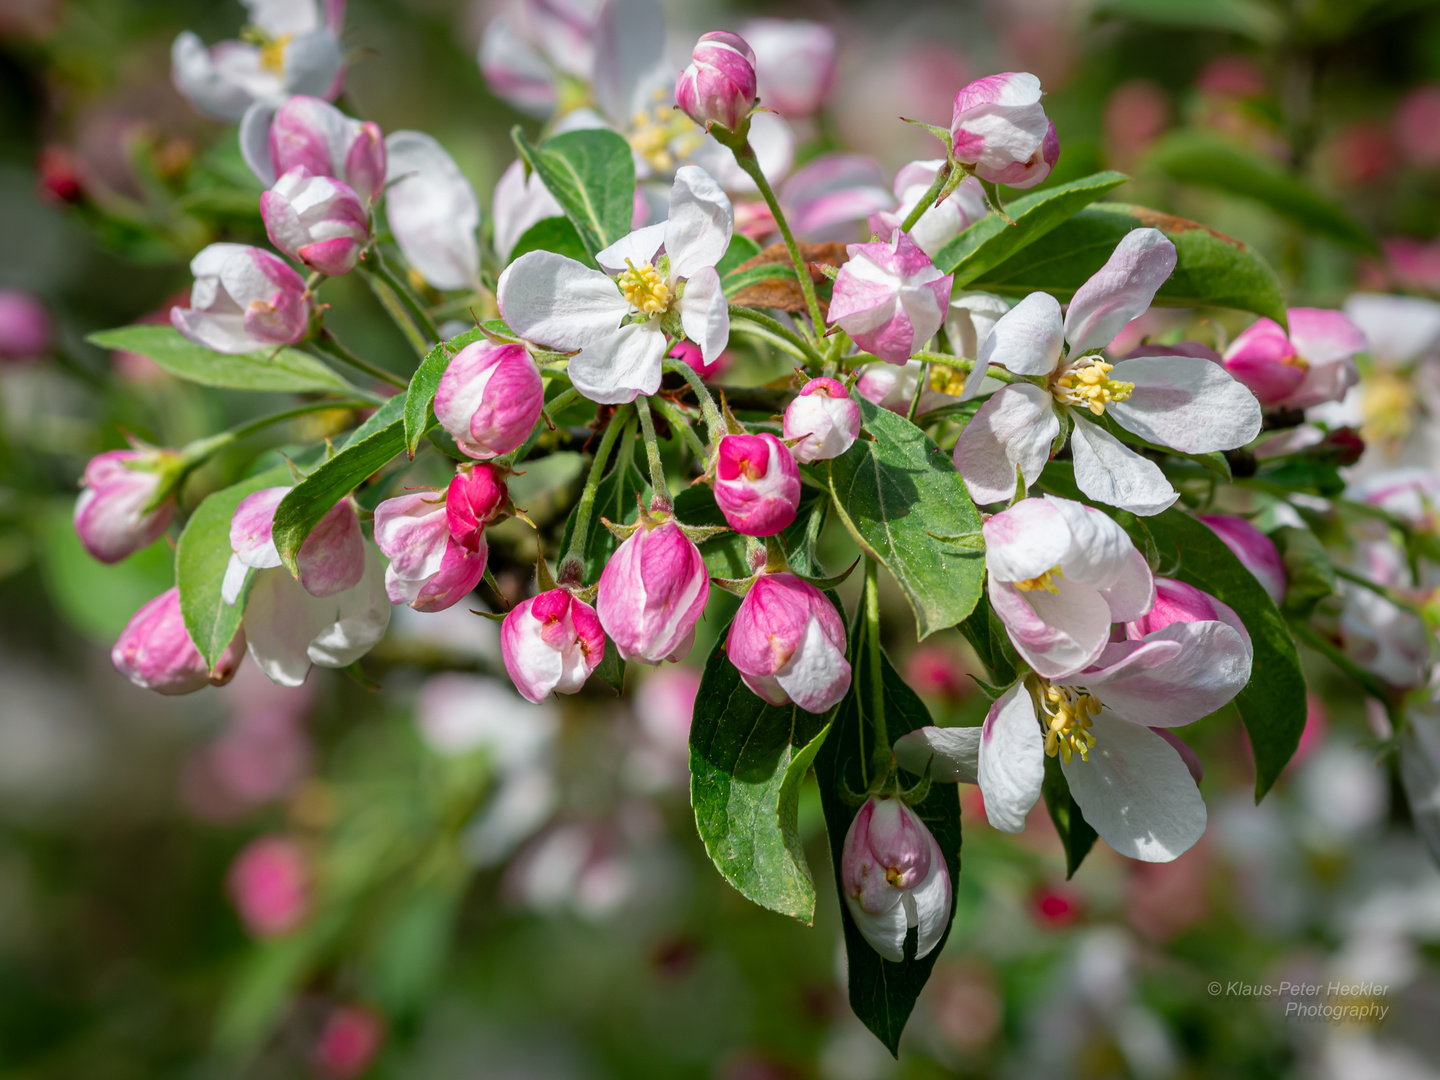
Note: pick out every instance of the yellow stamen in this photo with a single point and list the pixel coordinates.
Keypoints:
(1045, 581)
(1090, 386)
(1066, 715)
(947, 380)
(1388, 404)
(663, 135)
(644, 288)
(272, 53)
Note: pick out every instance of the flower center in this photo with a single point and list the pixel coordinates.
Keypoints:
(272, 49)
(1045, 581)
(1387, 405)
(1090, 385)
(644, 288)
(1066, 716)
(946, 380)
(662, 134)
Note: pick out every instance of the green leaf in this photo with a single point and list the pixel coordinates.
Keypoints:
(747, 759)
(372, 445)
(201, 557)
(555, 234)
(882, 992)
(284, 371)
(591, 173)
(1212, 269)
(1077, 836)
(617, 498)
(611, 669)
(1211, 160)
(420, 397)
(906, 506)
(1309, 573)
(1249, 18)
(742, 249)
(992, 240)
(986, 634)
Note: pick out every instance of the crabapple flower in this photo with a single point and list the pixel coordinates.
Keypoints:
(972, 316)
(489, 398)
(435, 541)
(942, 222)
(1001, 131)
(118, 513)
(25, 329)
(155, 652)
(432, 211)
(794, 64)
(310, 132)
(558, 303)
(788, 643)
(520, 202)
(1256, 551)
(688, 353)
(1397, 329)
(529, 48)
(757, 484)
(893, 876)
(269, 883)
(1059, 575)
(1313, 364)
(551, 642)
(652, 592)
(320, 221)
(890, 298)
(1186, 403)
(243, 300)
(719, 85)
(824, 418)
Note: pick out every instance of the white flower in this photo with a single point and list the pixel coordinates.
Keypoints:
(520, 202)
(615, 324)
(432, 211)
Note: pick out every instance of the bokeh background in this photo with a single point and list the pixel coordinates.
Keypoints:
(432, 880)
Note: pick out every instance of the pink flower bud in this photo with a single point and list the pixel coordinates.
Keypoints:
(365, 161)
(430, 568)
(307, 132)
(25, 330)
(269, 884)
(1254, 549)
(757, 484)
(890, 298)
(690, 353)
(317, 220)
(652, 592)
(551, 642)
(331, 560)
(155, 651)
(719, 86)
(113, 515)
(489, 398)
(824, 418)
(243, 300)
(472, 501)
(1175, 602)
(1001, 130)
(788, 643)
(1315, 363)
(893, 875)
(348, 1043)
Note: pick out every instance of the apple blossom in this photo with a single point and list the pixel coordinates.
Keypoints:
(121, 508)
(890, 298)
(243, 300)
(719, 85)
(551, 642)
(1314, 363)
(435, 540)
(310, 132)
(1001, 131)
(155, 652)
(432, 211)
(534, 44)
(972, 316)
(520, 202)
(940, 223)
(788, 643)
(320, 221)
(1191, 405)
(689, 354)
(652, 592)
(825, 420)
(794, 64)
(558, 303)
(269, 883)
(1255, 550)
(1398, 329)
(489, 398)
(757, 484)
(25, 329)
(1178, 602)
(893, 876)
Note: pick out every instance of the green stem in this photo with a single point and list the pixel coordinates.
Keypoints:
(329, 344)
(1379, 590)
(921, 385)
(677, 419)
(408, 298)
(873, 659)
(660, 500)
(714, 422)
(797, 345)
(395, 308)
(928, 199)
(572, 566)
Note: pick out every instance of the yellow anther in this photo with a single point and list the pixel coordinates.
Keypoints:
(644, 288)
(1066, 718)
(1089, 385)
(662, 134)
(1045, 581)
(1388, 404)
(946, 380)
(272, 53)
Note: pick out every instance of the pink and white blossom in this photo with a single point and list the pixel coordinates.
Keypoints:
(1313, 364)
(309, 132)
(348, 1043)
(825, 420)
(520, 202)
(757, 484)
(432, 211)
(432, 564)
(155, 652)
(942, 222)
(1001, 131)
(822, 200)
(1256, 551)
(320, 221)
(489, 398)
(243, 300)
(120, 510)
(652, 592)
(1398, 329)
(532, 45)
(719, 85)
(788, 643)
(893, 877)
(551, 642)
(794, 64)
(890, 298)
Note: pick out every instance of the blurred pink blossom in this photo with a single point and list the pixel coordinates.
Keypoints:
(348, 1042)
(269, 884)
(1417, 125)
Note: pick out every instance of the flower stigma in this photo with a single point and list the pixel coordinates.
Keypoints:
(1090, 385)
(1066, 716)
(644, 288)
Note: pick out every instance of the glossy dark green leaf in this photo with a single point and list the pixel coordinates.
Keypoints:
(591, 173)
(555, 234)
(1076, 835)
(1309, 573)
(420, 396)
(284, 371)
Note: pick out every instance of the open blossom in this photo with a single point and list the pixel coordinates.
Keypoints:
(1314, 363)
(243, 300)
(1186, 403)
(719, 85)
(825, 419)
(1059, 575)
(551, 642)
(556, 302)
(520, 202)
(794, 64)
(529, 46)
(757, 484)
(942, 222)
(890, 298)
(117, 513)
(269, 883)
(652, 592)
(1255, 550)
(435, 540)
(1001, 130)
(893, 876)
(320, 221)
(25, 329)
(788, 643)
(155, 652)
(489, 398)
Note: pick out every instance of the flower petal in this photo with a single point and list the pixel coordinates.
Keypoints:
(930, 901)
(885, 932)
(701, 221)
(621, 367)
(1028, 338)
(1185, 403)
(1173, 676)
(1119, 291)
(554, 301)
(432, 210)
(1014, 429)
(1108, 471)
(705, 314)
(1012, 760)
(358, 620)
(1056, 633)
(1132, 594)
(639, 247)
(950, 754)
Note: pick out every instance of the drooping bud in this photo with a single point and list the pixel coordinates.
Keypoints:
(243, 300)
(430, 568)
(788, 643)
(318, 220)
(113, 515)
(719, 85)
(652, 592)
(269, 884)
(25, 330)
(824, 418)
(155, 652)
(893, 875)
(1256, 551)
(331, 560)
(472, 501)
(890, 298)
(489, 398)
(757, 484)
(551, 642)
(1001, 130)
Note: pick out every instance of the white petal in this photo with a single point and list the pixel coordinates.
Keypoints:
(705, 314)
(281, 620)
(885, 932)
(208, 88)
(930, 901)
(639, 247)
(1028, 338)
(1399, 329)
(312, 61)
(1136, 792)
(359, 617)
(234, 583)
(1186, 403)
(951, 754)
(1173, 676)
(629, 49)
(1132, 594)
(1012, 760)
(432, 210)
(700, 224)
(621, 367)
(519, 203)
(1108, 471)
(1056, 633)
(1100, 551)
(1119, 291)
(554, 301)
(1014, 429)
(255, 141)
